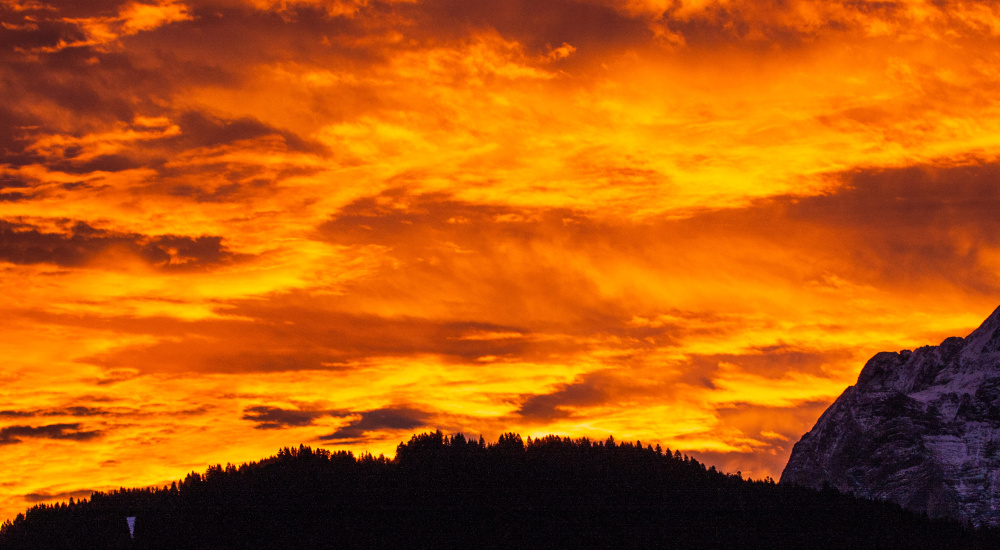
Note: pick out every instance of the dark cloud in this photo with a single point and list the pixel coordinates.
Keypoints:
(554, 405)
(628, 384)
(396, 218)
(222, 43)
(270, 418)
(875, 199)
(773, 361)
(104, 163)
(34, 30)
(237, 34)
(760, 25)
(201, 130)
(44, 497)
(98, 83)
(299, 338)
(26, 244)
(77, 411)
(12, 181)
(83, 89)
(588, 26)
(390, 418)
(888, 228)
(482, 251)
(622, 386)
(779, 24)
(416, 226)
(12, 140)
(65, 8)
(66, 411)
(246, 181)
(71, 98)
(15, 434)
(13, 197)
(69, 90)
(114, 376)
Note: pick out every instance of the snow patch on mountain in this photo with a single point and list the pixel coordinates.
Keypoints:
(920, 428)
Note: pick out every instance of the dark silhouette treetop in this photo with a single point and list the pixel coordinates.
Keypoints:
(455, 492)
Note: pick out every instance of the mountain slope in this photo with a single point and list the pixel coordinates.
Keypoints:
(919, 428)
(448, 492)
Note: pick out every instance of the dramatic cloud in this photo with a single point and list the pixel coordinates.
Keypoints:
(205, 131)
(271, 418)
(65, 495)
(230, 226)
(288, 337)
(82, 244)
(393, 418)
(16, 434)
(593, 391)
(71, 411)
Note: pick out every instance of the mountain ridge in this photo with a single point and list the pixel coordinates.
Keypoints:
(920, 428)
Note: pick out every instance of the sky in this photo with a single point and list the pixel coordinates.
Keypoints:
(230, 226)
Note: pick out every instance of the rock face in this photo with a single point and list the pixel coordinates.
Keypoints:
(919, 428)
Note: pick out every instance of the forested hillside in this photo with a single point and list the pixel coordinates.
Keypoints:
(442, 491)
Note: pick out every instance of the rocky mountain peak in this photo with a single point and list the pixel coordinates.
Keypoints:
(920, 428)
(985, 339)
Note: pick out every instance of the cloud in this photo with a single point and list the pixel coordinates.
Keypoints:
(99, 31)
(773, 430)
(594, 389)
(558, 271)
(101, 163)
(684, 220)
(389, 418)
(15, 434)
(271, 418)
(694, 377)
(538, 259)
(78, 411)
(202, 130)
(65, 411)
(71, 87)
(81, 244)
(772, 361)
(588, 26)
(911, 227)
(282, 337)
(918, 222)
(58, 496)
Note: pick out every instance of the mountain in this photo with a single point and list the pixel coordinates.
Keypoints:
(450, 492)
(920, 428)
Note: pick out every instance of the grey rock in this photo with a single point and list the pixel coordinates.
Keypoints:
(919, 428)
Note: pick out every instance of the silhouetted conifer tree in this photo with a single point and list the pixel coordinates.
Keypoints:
(449, 491)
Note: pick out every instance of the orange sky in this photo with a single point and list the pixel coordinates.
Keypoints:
(228, 226)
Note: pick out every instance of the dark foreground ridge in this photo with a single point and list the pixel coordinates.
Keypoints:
(450, 492)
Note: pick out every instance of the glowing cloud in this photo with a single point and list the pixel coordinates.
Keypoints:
(229, 226)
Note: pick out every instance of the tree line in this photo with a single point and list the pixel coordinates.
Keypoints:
(445, 491)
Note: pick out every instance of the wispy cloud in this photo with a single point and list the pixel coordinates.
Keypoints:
(230, 224)
(16, 434)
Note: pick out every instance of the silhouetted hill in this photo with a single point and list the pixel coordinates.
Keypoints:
(449, 492)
